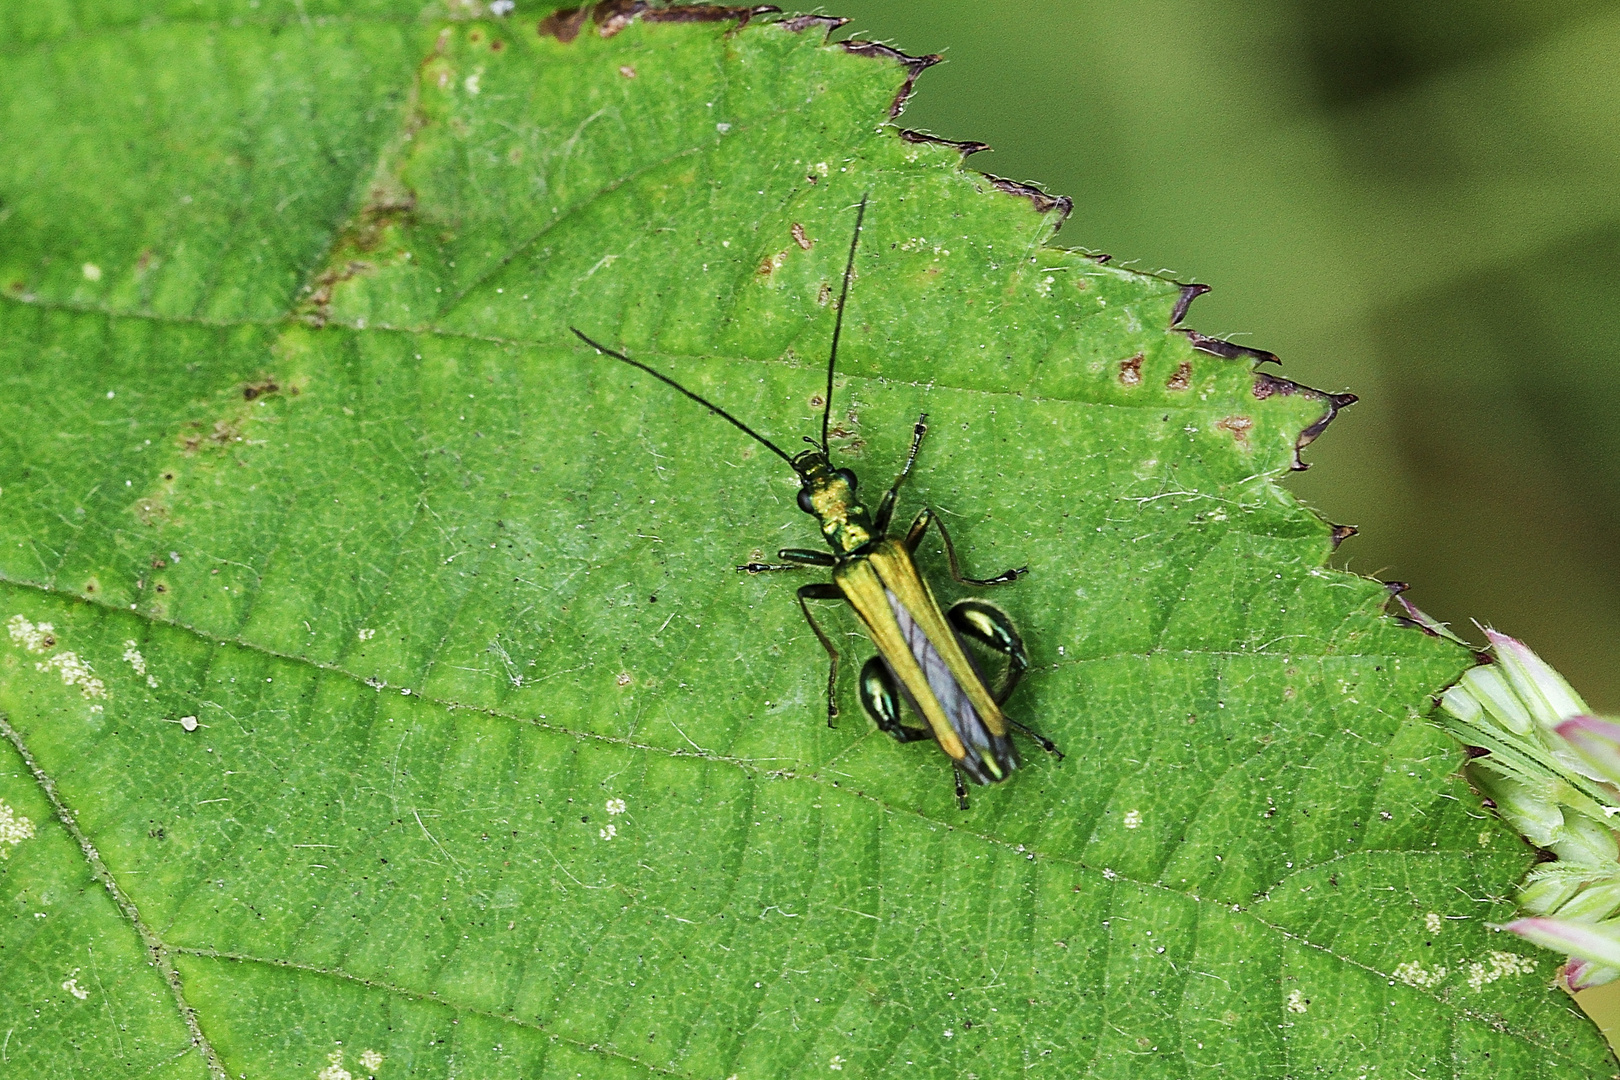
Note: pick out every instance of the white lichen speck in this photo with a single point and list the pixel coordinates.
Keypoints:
(1500, 964)
(1415, 974)
(14, 829)
(370, 1060)
(133, 657)
(74, 672)
(608, 832)
(1133, 819)
(1297, 1002)
(1433, 923)
(41, 638)
(27, 635)
(71, 985)
(615, 806)
(334, 1068)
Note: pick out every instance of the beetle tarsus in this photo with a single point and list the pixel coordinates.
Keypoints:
(1040, 740)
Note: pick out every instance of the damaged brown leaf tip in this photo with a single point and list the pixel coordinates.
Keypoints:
(612, 16)
(1043, 203)
(1266, 385)
(965, 148)
(914, 65)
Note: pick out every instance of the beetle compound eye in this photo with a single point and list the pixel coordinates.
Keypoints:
(848, 478)
(804, 501)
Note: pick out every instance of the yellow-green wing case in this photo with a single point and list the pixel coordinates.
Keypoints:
(911, 633)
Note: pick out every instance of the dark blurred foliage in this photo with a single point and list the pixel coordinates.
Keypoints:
(1417, 202)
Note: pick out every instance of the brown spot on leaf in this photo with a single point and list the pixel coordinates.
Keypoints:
(824, 294)
(259, 389)
(150, 511)
(1181, 379)
(320, 301)
(627, 71)
(1130, 371)
(772, 263)
(223, 433)
(497, 45)
(1238, 425)
(563, 25)
(385, 207)
(798, 236)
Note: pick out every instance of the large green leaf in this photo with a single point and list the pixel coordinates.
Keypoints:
(378, 647)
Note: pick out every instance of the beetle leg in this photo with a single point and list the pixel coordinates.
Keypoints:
(881, 698)
(990, 627)
(961, 788)
(822, 590)
(1040, 740)
(797, 558)
(920, 526)
(885, 509)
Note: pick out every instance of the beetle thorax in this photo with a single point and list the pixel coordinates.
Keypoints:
(829, 494)
(845, 524)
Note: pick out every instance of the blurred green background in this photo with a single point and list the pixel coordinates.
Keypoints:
(1416, 202)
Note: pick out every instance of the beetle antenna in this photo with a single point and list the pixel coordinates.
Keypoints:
(711, 406)
(838, 325)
